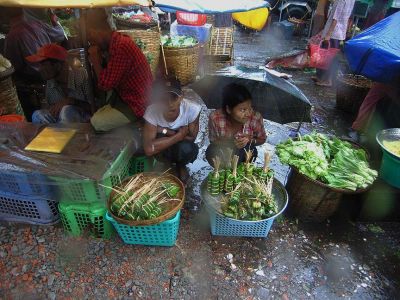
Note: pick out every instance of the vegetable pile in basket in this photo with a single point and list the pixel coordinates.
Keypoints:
(178, 41)
(330, 160)
(246, 189)
(142, 198)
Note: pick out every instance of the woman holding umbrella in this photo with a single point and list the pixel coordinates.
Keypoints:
(235, 126)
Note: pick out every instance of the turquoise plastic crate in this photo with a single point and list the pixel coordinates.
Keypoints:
(221, 225)
(163, 234)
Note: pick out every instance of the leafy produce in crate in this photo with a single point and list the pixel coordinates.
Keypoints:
(330, 160)
(178, 41)
(248, 196)
(143, 199)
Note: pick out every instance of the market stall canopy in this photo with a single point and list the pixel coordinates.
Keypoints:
(275, 98)
(375, 53)
(210, 7)
(72, 3)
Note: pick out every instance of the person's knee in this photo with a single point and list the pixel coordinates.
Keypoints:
(188, 151)
(68, 114)
(42, 116)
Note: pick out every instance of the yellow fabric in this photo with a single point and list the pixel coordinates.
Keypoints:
(253, 19)
(71, 3)
(51, 140)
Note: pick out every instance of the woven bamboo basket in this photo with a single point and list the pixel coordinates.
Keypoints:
(183, 62)
(9, 102)
(169, 209)
(312, 200)
(149, 41)
(350, 92)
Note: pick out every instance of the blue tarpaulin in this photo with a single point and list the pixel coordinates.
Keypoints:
(210, 7)
(375, 53)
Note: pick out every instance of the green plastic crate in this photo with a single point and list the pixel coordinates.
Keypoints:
(87, 191)
(78, 218)
(139, 164)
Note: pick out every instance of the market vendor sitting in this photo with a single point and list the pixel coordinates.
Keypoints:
(172, 125)
(67, 88)
(127, 73)
(235, 126)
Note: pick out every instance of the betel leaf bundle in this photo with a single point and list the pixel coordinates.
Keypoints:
(143, 199)
(247, 193)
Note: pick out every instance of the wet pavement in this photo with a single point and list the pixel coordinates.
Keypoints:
(339, 258)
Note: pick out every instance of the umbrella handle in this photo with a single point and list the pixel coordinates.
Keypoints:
(162, 49)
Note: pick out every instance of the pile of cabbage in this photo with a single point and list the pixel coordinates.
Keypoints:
(329, 160)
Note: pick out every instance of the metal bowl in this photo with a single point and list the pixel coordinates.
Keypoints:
(392, 134)
(214, 202)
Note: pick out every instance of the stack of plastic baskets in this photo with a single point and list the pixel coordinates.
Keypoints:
(222, 225)
(80, 218)
(162, 234)
(28, 198)
(85, 212)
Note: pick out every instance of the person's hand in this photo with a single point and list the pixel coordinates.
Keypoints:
(183, 132)
(94, 55)
(326, 41)
(56, 108)
(241, 141)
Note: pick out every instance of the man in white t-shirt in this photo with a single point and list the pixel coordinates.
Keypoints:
(172, 125)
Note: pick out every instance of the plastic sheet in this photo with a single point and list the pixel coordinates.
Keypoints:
(375, 53)
(88, 156)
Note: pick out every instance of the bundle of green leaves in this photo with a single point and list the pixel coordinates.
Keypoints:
(178, 41)
(330, 160)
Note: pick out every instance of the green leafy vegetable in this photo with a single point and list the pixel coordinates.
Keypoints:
(329, 160)
(178, 41)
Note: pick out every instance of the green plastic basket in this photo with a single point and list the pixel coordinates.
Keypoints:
(87, 191)
(162, 234)
(139, 164)
(78, 218)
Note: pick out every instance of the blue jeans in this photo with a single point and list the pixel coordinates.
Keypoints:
(68, 114)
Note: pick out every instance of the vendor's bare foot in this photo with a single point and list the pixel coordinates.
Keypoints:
(183, 174)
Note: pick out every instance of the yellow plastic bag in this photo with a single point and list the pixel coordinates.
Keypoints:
(253, 19)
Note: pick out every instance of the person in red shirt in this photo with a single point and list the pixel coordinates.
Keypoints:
(235, 126)
(127, 74)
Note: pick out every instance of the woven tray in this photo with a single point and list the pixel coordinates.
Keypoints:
(170, 209)
(221, 42)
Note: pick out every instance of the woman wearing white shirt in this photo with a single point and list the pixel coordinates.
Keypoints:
(172, 125)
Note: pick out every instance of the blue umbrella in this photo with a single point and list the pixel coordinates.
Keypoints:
(375, 53)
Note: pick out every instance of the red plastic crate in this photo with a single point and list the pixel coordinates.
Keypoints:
(185, 18)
